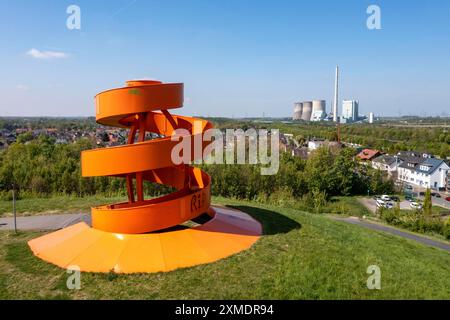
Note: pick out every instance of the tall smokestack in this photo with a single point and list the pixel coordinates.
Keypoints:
(335, 106)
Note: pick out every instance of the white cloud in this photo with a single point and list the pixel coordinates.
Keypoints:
(22, 87)
(35, 53)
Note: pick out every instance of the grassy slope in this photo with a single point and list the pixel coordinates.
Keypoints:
(302, 256)
(67, 204)
(55, 204)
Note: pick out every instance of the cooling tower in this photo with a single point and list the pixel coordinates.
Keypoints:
(298, 108)
(307, 110)
(319, 105)
(318, 110)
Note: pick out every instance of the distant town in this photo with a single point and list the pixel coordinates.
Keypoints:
(422, 170)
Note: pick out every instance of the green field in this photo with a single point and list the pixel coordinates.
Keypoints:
(301, 256)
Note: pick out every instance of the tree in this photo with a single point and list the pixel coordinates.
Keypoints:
(25, 137)
(427, 205)
(345, 168)
(320, 171)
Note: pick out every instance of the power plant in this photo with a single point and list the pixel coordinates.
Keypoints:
(316, 110)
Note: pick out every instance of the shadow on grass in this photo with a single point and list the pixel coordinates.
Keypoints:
(272, 222)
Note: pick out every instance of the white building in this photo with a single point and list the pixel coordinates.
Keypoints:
(350, 111)
(371, 117)
(387, 163)
(318, 115)
(315, 144)
(424, 172)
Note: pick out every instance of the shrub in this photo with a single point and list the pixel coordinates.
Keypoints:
(447, 229)
(390, 216)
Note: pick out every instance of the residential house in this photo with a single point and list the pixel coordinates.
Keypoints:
(387, 163)
(368, 154)
(426, 172)
(408, 154)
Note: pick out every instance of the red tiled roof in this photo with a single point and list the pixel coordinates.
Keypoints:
(368, 154)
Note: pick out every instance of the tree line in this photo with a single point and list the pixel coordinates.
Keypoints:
(40, 167)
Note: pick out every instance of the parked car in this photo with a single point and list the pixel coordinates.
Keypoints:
(422, 194)
(448, 198)
(376, 197)
(395, 198)
(408, 187)
(436, 195)
(389, 205)
(409, 198)
(385, 197)
(381, 203)
(415, 205)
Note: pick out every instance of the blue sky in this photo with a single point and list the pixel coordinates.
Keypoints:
(236, 57)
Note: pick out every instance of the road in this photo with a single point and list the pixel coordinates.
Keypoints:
(394, 231)
(49, 222)
(438, 201)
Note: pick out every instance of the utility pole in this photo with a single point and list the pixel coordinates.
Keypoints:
(338, 127)
(14, 207)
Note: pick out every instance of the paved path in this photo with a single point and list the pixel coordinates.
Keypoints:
(49, 222)
(394, 231)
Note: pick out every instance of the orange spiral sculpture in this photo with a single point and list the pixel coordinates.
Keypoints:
(133, 107)
(133, 236)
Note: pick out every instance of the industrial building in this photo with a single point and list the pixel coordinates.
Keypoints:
(350, 111)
